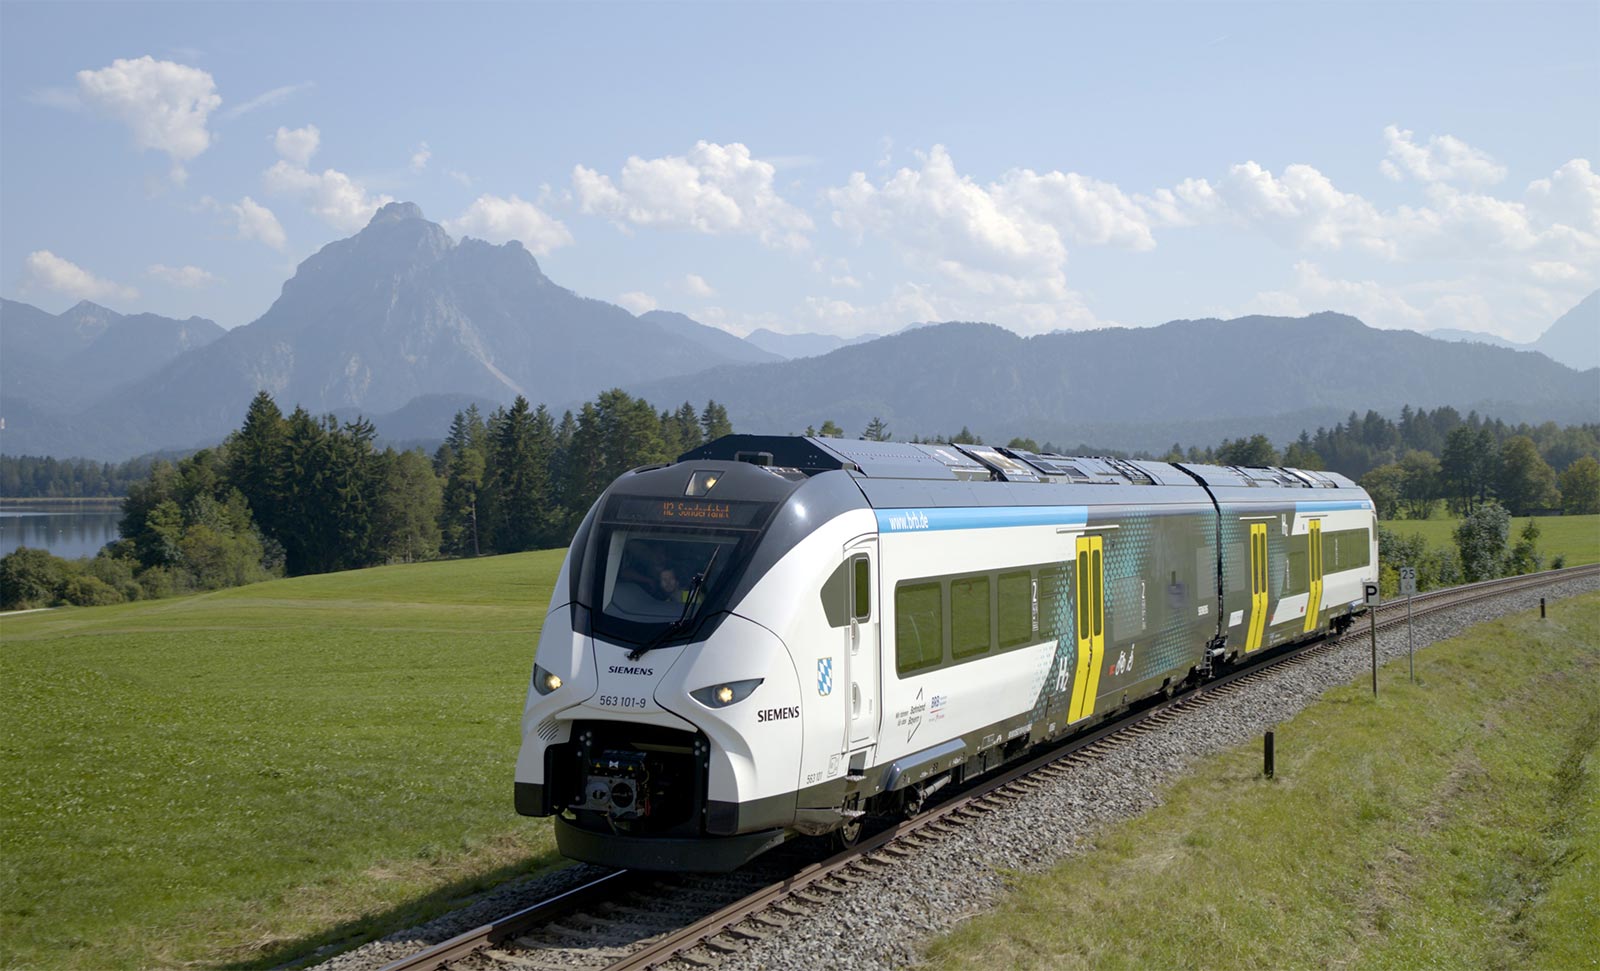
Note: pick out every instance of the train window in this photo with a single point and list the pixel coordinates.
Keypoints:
(861, 570)
(1298, 579)
(1347, 549)
(1017, 609)
(1052, 603)
(969, 616)
(1097, 595)
(918, 626)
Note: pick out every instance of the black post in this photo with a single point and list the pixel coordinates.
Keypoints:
(1541, 608)
(1266, 753)
(1373, 614)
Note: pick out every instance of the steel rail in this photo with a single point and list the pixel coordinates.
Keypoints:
(971, 801)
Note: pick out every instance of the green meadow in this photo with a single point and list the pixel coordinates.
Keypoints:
(1575, 537)
(238, 778)
(1453, 823)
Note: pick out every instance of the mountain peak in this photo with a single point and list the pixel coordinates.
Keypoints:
(396, 212)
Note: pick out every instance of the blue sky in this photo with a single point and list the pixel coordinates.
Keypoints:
(824, 167)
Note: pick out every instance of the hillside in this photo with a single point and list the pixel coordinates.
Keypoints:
(1188, 381)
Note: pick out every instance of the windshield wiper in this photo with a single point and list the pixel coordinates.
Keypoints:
(683, 618)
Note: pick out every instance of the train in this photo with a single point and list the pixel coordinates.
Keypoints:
(776, 636)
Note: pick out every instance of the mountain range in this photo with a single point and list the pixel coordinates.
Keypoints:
(406, 325)
(1574, 339)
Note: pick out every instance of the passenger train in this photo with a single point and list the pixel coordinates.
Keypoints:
(778, 635)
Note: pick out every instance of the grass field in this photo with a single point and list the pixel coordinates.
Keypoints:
(1575, 537)
(237, 778)
(1454, 823)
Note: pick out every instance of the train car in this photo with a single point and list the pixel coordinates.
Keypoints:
(779, 635)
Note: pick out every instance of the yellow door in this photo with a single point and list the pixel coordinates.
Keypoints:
(1258, 586)
(1314, 567)
(1091, 621)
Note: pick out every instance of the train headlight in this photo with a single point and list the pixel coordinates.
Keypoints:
(723, 695)
(544, 681)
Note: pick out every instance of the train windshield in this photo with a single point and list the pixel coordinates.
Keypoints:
(661, 565)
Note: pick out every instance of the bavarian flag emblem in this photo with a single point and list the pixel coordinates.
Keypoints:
(825, 676)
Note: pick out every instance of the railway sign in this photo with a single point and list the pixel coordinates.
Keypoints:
(1408, 580)
(1370, 592)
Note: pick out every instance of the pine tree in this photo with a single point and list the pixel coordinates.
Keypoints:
(714, 422)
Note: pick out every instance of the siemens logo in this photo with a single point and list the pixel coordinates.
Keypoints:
(620, 669)
(774, 714)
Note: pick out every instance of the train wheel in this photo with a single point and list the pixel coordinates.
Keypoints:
(914, 801)
(849, 834)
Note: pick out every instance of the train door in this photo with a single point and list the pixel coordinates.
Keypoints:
(1258, 586)
(1314, 571)
(1089, 595)
(861, 653)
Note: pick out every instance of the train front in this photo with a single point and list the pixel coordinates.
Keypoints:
(662, 727)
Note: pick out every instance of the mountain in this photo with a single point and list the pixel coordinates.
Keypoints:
(1574, 339)
(791, 346)
(63, 362)
(368, 324)
(1194, 381)
(717, 341)
(1472, 337)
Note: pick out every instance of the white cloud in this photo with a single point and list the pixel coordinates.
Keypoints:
(187, 277)
(714, 189)
(256, 221)
(164, 104)
(330, 195)
(499, 220)
(697, 286)
(460, 177)
(45, 269)
(1444, 158)
(419, 158)
(1571, 196)
(636, 302)
(297, 144)
(265, 100)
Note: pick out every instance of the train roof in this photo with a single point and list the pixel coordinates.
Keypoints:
(805, 456)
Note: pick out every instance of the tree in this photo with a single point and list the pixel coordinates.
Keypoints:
(1526, 482)
(1385, 484)
(830, 430)
(1420, 490)
(406, 523)
(1302, 455)
(1525, 557)
(965, 437)
(30, 578)
(1481, 538)
(1255, 452)
(714, 422)
(1580, 488)
(253, 455)
(877, 431)
(1025, 444)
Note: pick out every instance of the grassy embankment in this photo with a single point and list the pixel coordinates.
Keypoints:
(1454, 823)
(1575, 537)
(235, 778)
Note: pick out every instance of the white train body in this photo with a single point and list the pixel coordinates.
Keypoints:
(845, 626)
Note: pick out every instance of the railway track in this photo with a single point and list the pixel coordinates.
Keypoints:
(628, 920)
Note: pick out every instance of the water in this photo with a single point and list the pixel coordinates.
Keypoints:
(67, 529)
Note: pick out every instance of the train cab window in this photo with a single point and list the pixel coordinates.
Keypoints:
(969, 616)
(861, 588)
(1019, 614)
(918, 626)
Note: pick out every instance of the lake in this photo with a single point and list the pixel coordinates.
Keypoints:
(67, 529)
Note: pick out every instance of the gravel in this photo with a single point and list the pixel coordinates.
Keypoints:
(882, 921)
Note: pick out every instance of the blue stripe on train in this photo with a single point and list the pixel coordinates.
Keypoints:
(1331, 506)
(979, 517)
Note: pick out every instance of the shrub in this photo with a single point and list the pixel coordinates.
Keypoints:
(31, 578)
(88, 590)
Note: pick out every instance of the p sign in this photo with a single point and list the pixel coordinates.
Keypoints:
(1370, 591)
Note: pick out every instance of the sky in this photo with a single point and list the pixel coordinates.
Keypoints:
(833, 168)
